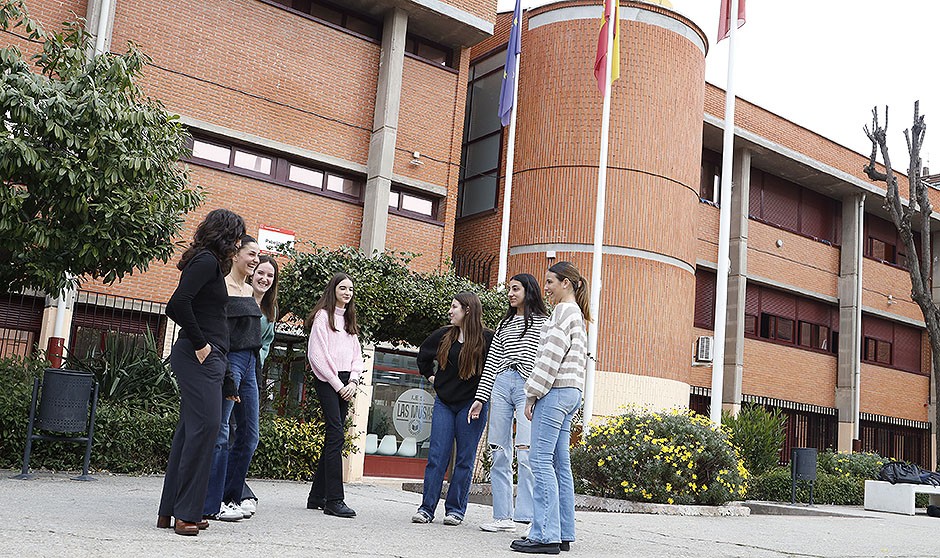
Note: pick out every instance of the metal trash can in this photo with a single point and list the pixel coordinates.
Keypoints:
(802, 467)
(65, 402)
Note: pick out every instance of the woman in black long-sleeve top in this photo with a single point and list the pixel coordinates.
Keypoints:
(198, 361)
(459, 350)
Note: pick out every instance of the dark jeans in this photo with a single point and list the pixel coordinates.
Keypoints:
(187, 472)
(328, 478)
(449, 425)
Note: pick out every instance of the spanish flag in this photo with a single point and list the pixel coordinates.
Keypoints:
(611, 12)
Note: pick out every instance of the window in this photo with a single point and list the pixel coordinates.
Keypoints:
(409, 204)
(483, 138)
(814, 336)
(781, 317)
(704, 316)
(335, 15)
(892, 344)
(783, 204)
(211, 152)
(710, 183)
(432, 52)
(883, 242)
(877, 350)
(239, 159)
(775, 327)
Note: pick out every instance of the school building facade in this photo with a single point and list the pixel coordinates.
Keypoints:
(373, 124)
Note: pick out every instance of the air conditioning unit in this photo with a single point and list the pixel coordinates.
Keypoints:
(703, 348)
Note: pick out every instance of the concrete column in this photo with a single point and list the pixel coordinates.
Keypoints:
(932, 406)
(737, 282)
(92, 24)
(384, 133)
(850, 351)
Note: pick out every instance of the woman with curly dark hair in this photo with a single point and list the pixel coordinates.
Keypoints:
(199, 363)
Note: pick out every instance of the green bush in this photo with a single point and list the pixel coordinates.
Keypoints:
(758, 433)
(774, 486)
(675, 457)
(130, 440)
(840, 480)
(131, 371)
(860, 465)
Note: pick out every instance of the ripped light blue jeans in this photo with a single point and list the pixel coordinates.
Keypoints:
(507, 403)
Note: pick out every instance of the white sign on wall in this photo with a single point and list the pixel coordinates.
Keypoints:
(412, 414)
(270, 237)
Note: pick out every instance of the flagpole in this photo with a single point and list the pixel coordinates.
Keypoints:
(507, 186)
(724, 229)
(597, 253)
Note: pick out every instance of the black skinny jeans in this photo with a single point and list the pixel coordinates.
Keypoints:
(328, 478)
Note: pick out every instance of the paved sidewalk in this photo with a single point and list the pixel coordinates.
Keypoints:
(116, 516)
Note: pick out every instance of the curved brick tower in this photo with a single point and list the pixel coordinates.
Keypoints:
(652, 190)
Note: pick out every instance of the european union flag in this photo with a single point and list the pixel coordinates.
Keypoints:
(510, 73)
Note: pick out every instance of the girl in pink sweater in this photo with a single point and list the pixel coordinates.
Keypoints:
(336, 360)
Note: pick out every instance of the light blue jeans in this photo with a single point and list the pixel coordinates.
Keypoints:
(507, 402)
(553, 494)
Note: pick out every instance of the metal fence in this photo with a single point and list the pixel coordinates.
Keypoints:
(476, 266)
(901, 439)
(20, 323)
(95, 317)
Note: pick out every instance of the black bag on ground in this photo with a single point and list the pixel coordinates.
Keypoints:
(899, 472)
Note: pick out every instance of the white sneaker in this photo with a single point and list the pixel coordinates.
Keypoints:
(421, 516)
(499, 525)
(450, 519)
(238, 509)
(227, 513)
(249, 505)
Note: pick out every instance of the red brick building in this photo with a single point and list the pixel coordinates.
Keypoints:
(373, 124)
(802, 208)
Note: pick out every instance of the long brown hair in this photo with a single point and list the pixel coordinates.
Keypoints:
(217, 233)
(470, 363)
(328, 302)
(269, 300)
(567, 270)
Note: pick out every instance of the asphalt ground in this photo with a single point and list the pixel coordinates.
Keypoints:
(116, 516)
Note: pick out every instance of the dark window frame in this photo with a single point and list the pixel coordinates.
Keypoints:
(874, 345)
(756, 331)
(280, 168)
(836, 241)
(497, 171)
(435, 206)
(339, 27)
(710, 168)
(417, 41)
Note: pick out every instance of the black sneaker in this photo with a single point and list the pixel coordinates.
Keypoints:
(565, 546)
(338, 508)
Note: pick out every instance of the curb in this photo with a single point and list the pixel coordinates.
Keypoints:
(481, 494)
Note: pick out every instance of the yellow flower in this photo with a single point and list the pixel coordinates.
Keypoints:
(600, 462)
(669, 500)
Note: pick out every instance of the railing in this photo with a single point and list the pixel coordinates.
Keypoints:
(20, 323)
(476, 266)
(900, 439)
(96, 316)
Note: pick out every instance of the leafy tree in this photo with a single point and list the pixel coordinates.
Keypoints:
(393, 304)
(89, 165)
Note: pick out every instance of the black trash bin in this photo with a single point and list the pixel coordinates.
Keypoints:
(802, 467)
(67, 402)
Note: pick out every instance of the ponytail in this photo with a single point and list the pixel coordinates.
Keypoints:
(583, 298)
(567, 270)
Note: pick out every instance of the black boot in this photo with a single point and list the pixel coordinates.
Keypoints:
(338, 508)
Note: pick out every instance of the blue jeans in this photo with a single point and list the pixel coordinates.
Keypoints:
(553, 494)
(507, 402)
(449, 425)
(235, 460)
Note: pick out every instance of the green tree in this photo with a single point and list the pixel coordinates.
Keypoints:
(92, 184)
(393, 303)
